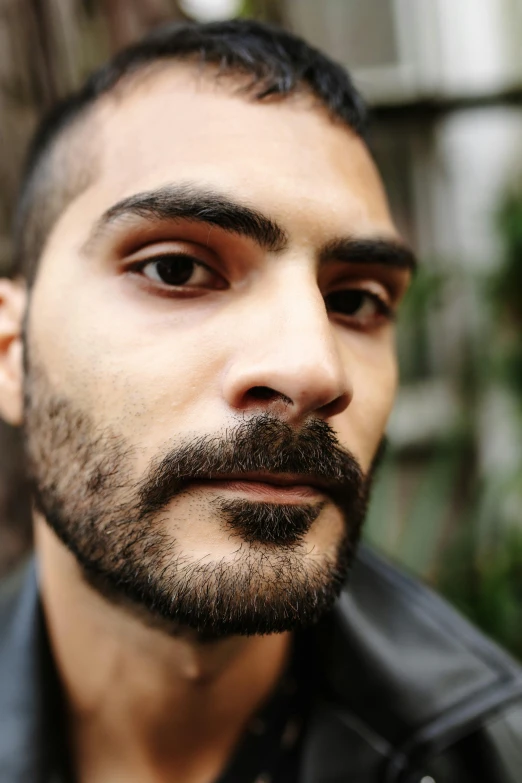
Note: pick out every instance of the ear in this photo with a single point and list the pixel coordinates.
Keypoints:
(13, 299)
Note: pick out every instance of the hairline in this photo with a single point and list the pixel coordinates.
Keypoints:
(87, 171)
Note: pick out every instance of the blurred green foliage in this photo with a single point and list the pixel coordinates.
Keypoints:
(424, 296)
(267, 10)
(482, 572)
(507, 288)
(457, 521)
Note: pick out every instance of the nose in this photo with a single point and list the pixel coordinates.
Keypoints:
(288, 363)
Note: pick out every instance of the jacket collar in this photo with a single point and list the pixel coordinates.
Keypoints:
(20, 698)
(30, 700)
(398, 673)
(29, 690)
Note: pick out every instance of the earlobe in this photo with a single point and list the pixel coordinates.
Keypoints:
(13, 298)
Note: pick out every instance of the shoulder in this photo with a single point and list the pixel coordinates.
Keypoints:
(409, 668)
(11, 590)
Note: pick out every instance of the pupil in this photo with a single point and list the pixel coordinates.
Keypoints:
(175, 271)
(347, 302)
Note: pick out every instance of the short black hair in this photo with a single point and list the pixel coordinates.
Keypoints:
(275, 62)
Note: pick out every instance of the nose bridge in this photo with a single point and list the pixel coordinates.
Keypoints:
(303, 331)
(289, 347)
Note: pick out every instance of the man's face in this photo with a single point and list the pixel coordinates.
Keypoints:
(178, 364)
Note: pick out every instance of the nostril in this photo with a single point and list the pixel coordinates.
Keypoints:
(336, 406)
(266, 394)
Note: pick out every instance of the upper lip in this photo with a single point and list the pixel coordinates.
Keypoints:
(277, 479)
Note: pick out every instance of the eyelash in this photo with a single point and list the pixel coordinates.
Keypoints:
(384, 310)
(140, 266)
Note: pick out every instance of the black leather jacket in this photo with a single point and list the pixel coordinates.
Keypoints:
(407, 691)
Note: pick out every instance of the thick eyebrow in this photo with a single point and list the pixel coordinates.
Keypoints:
(375, 251)
(192, 203)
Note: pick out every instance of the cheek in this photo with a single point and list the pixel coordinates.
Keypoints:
(143, 373)
(374, 376)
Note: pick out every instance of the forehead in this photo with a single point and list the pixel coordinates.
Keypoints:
(284, 155)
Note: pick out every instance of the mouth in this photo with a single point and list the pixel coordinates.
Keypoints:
(275, 488)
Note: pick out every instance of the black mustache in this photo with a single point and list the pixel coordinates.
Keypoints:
(263, 444)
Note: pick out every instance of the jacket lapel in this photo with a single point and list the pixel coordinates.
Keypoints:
(22, 656)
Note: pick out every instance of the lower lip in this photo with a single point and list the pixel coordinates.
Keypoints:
(276, 493)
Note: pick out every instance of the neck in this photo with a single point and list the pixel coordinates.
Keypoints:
(145, 705)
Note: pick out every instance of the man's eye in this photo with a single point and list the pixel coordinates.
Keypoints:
(180, 271)
(359, 305)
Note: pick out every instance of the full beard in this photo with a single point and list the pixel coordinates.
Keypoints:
(84, 485)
